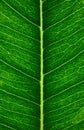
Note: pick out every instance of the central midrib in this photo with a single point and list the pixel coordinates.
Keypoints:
(41, 66)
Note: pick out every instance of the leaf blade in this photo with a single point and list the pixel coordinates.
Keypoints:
(19, 65)
(63, 63)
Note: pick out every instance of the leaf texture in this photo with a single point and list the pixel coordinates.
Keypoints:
(63, 64)
(19, 65)
(41, 64)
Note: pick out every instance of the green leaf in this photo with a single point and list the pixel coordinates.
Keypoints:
(19, 65)
(41, 65)
(63, 64)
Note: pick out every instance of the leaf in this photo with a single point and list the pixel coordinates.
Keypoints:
(63, 64)
(19, 65)
(41, 65)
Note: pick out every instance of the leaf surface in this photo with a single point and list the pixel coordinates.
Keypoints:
(41, 65)
(19, 65)
(63, 64)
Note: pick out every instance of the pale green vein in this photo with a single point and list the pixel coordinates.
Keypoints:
(72, 86)
(19, 97)
(20, 14)
(19, 70)
(19, 32)
(41, 71)
(6, 126)
(64, 63)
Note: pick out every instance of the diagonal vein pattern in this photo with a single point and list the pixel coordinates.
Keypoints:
(63, 23)
(19, 65)
(41, 65)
